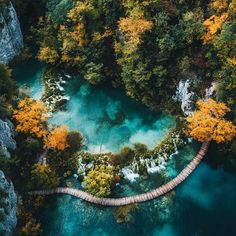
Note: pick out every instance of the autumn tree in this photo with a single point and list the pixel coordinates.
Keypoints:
(208, 122)
(99, 181)
(31, 228)
(212, 25)
(57, 138)
(132, 28)
(42, 176)
(48, 55)
(223, 11)
(31, 117)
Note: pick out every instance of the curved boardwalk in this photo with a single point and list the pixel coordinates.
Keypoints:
(137, 198)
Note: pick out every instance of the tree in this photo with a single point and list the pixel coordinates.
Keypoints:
(99, 180)
(57, 138)
(63, 163)
(42, 176)
(8, 86)
(31, 117)
(48, 55)
(32, 228)
(208, 122)
(132, 28)
(212, 25)
(75, 141)
(94, 73)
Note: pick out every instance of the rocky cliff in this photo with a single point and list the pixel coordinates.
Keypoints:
(11, 39)
(6, 137)
(8, 206)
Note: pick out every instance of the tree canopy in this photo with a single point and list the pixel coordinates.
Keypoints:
(57, 138)
(208, 123)
(31, 117)
(99, 180)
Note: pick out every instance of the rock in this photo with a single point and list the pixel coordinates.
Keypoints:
(11, 39)
(54, 94)
(8, 206)
(6, 137)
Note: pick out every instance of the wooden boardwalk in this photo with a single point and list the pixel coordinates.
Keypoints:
(132, 199)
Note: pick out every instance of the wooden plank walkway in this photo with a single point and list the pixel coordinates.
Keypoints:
(132, 199)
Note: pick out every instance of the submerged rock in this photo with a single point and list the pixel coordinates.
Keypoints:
(54, 95)
(11, 39)
(6, 137)
(8, 206)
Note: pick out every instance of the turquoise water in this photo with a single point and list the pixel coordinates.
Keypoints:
(204, 205)
(28, 77)
(107, 118)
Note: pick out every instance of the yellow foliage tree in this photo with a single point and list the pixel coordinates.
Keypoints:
(48, 55)
(57, 138)
(98, 181)
(81, 7)
(208, 123)
(31, 228)
(212, 25)
(133, 27)
(31, 117)
(219, 5)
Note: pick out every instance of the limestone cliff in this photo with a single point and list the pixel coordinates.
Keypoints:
(8, 206)
(11, 39)
(6, 137)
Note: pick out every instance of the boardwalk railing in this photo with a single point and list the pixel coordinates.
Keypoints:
(132, 199)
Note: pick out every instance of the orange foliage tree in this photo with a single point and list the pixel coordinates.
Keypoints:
(132, 28)
(212, 25)
(31, 117)
(48, 54)
(57, 138)
(208, 122)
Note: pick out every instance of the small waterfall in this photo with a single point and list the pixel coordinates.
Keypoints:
(129, 174)
(209, 92)
(184, 96)
(153, 166)
(11, 39)
(156, 162)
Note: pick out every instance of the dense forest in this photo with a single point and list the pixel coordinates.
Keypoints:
(149, 49)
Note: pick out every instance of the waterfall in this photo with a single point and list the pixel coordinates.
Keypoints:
(11, 39)
(129, 174)
(184, 96)
(209, 92)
